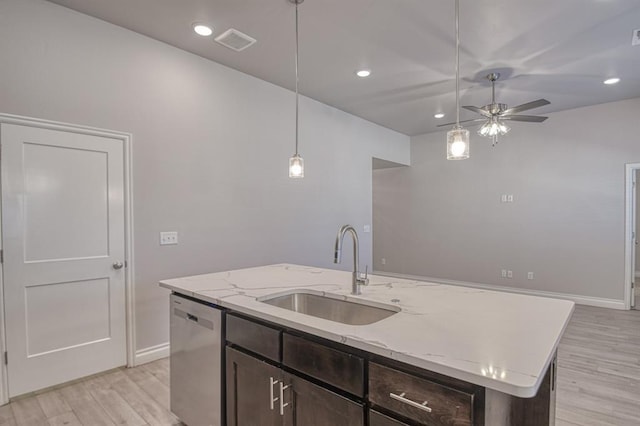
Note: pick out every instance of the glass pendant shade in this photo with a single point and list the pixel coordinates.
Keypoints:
(296, 167)
(457, 144)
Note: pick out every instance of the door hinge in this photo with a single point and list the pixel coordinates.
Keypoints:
(1, 256)
(6, 358)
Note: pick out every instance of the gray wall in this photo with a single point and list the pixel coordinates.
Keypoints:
(210, 148)
(444, 219)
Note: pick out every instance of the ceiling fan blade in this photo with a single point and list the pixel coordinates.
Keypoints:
(527, 106)
(527, 118)
(480, 111)
(464, 121)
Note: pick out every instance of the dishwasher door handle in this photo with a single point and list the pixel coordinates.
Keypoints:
(201, 321)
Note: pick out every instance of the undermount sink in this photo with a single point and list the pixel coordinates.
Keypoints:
(331, 307)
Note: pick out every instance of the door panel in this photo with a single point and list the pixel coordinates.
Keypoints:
(44, 302)
(378, 419)
(56, 178)
(248, 391)
(63, 230)
(312, 405)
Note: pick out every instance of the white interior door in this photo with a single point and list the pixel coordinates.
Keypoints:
(64, 241)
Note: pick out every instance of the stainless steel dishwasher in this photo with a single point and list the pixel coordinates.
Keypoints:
(196, 362)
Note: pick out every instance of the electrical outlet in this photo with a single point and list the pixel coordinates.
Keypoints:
(509, 198)
(168, 238)
(503, 198)
(504, 273)
(529, 275)
(509, 274)
(635, 40)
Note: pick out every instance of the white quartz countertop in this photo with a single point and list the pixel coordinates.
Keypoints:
(498, 340)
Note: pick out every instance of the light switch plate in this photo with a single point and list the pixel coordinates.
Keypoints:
(168, 238)
(367, 228)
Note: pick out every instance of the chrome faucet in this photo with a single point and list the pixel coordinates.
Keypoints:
(356, 281)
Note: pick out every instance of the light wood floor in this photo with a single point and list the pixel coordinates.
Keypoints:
(598, 383)
(599, 369)
(128, 396)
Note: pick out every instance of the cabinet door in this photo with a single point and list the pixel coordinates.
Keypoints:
(378, 419)
(249, 390)
(311, 405)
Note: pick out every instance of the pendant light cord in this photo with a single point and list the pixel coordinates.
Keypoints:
(457, 63)
(297, 77)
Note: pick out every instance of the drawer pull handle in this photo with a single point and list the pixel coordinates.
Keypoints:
(282, 403)
(271, 396)
(407, 401)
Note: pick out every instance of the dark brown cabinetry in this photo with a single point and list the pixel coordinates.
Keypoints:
(260, 393)
(281, 377)
(334, 367)
(249, 387)
(419, 399)
(312, 405)
(378, 419)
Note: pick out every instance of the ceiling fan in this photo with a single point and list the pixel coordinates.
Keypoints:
(494, 114)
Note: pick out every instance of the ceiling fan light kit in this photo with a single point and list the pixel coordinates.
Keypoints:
(495, 114)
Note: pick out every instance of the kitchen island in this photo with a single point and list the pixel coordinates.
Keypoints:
(497, 348)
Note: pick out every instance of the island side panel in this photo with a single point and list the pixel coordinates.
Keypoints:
(507, 410)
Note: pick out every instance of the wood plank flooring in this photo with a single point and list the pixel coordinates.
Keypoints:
(598, 383)
(599, 369)
(133, 397)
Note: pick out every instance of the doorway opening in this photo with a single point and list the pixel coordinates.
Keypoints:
(632, 251)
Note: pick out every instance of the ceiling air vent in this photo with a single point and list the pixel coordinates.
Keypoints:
(235, 40)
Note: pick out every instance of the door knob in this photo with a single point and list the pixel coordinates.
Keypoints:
(118, 265)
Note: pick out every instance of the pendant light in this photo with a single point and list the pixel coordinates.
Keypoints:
(296, 163)
(458, 137)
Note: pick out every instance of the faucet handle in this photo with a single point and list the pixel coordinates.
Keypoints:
(363, 279)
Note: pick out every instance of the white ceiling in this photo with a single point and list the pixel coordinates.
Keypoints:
(560, 50)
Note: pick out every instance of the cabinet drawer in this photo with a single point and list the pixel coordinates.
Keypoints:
(337, 368)
(377, 419)
(405, 394)
(256, 337)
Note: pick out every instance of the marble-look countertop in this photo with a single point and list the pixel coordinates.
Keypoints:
(498, 340)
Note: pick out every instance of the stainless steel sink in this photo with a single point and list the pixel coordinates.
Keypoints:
(331, 307)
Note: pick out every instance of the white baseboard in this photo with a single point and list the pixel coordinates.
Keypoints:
(152, 353)
(580, 300)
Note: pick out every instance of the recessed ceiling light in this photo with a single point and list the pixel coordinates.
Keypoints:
(439, 115)
(363, 73)
(202, 30)
(610, 81)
